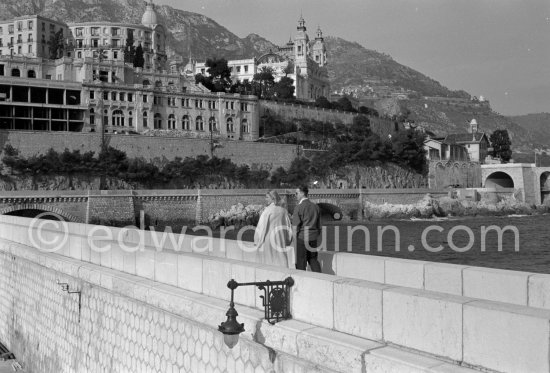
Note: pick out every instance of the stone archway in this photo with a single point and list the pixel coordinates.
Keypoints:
(499, 180)
(51, 210)
(545, 188)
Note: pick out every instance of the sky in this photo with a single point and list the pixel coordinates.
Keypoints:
(499, 49)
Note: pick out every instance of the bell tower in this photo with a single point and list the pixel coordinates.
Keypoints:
(319, 49)
(301, 41)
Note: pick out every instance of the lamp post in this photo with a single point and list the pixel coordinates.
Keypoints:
(276, 302)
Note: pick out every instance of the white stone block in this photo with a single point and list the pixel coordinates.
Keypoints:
(145, 264)
(506, 338)
(272, 273)
(443, 277)
(394, 360)
(539, 291)
(496, 284)
(245, 272)
(362, 267)
(423, 320)
(358, 308)
(216, 273)
(233, 251)
(334, 350)
(166, 267)
(312, 298)
(190, 272)
(405, 272)
(129, 262)
(282, 335)
(117, 258)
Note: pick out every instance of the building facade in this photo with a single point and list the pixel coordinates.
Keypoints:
(301, 59)
(92, 89)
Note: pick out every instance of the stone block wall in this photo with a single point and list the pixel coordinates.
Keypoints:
(443, 174)
(111, 208)
(158, 149)
(293, 111)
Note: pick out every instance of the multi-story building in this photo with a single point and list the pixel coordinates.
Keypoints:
(28, 36)
(84, 91)
(301, 59)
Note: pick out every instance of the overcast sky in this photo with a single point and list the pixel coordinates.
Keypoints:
(496, 48)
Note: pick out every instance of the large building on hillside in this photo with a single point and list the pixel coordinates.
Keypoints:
(92, 89)
(301, 59)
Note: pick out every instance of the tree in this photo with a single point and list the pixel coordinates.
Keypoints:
(219, 74)
(264, 81)
(322, 102)
(205, 81)
(502, 145)
(56, 44)
(344, 104)
(139, 60)
(129, 49)
(284, 88)
(368, 111)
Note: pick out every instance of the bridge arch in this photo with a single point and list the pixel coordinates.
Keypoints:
(545, 188)
(330, 207)
(499, 180)
(40, 207)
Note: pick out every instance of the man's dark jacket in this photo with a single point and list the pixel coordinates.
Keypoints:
(307, 220)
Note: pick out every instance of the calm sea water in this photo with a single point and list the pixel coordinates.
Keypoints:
(533, 251)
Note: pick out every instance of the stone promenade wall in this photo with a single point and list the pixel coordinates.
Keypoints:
(158, 149)
(391, 322)
(289, 111)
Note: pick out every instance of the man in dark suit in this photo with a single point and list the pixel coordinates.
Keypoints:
(306, 221)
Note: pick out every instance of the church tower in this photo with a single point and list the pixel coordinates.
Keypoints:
(301, 41)
(319, 51)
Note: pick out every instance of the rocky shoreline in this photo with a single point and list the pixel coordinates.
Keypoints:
(445, 207)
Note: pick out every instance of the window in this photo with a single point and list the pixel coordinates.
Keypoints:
(95, 31)
(92, 116)
(199, 125)
(115, 55)
(238, 69)
(185, 123)
(171, 122)
(115, 43)
(10, 29)
(130, 97)
(115, 31)
(244, 126)
(246, 68)
(92, 95)
(212, 124)
(95, 43)
(31, 74)
(19, 26)
(105, 95)
(15, 72)
(130, 119)
(29, 38)
(145, 98)
(29, 49)
(244, 106)
(113, 96)
(19, 50)
(19, 39)
(106, 117)
(144, 119)
(232, 105)
(158, 121)
(121, 96)
(30, 25)
(118, 118)
(230, 127)
(1, 30)
(1, 70)
(79, 55)
(79, 31)
(43, 26)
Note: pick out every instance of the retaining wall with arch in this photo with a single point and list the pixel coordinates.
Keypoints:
(443, 174)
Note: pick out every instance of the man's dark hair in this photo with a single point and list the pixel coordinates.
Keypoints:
(304, 189)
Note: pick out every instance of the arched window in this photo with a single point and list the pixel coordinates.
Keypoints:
(199, 125)
(130, 119)
(171, 122)
(244, 126)
(146, 83)
(31, 74)
(15, 72)
(145, 119)
(230, 127)
(212, 124)
(118, 118)
(158, 84)
(92, 116)
(185, 123)
(158, 121)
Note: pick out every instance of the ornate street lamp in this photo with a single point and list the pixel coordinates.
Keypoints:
(276, 302)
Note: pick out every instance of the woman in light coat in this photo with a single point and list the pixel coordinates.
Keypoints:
(274, 234)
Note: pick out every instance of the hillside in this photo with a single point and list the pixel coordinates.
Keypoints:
(372, 77)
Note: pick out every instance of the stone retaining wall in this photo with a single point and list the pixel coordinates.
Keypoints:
(368, 318)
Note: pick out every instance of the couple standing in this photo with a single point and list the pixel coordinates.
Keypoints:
(275, 232)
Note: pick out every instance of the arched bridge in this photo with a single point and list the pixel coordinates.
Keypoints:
(184, 207)
(525, 179)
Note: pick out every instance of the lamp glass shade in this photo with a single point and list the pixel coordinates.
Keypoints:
(230, 340)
